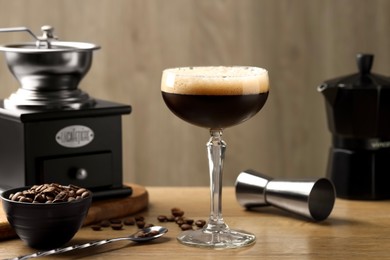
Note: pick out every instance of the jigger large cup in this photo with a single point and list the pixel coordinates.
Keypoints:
(310, 198)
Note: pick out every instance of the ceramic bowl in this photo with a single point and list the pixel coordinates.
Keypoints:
(45, 226)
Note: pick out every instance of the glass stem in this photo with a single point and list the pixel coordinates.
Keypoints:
(216, 152)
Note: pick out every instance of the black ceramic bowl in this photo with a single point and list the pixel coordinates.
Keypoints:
(45, 226)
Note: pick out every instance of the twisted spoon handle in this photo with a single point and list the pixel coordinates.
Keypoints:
(70, 248)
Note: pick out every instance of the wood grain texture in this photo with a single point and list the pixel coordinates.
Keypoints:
(301, 43)
(354, 230)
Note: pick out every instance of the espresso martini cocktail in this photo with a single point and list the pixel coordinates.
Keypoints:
(215, 98)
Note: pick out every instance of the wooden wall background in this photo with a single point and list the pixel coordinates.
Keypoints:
(301, 43)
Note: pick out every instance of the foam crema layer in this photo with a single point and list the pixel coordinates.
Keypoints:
(215, 80)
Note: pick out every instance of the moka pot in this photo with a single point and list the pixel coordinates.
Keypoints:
(358, 117)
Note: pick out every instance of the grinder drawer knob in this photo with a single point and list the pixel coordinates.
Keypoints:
(81, 174)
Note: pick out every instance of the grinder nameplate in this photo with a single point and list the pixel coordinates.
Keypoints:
(74, 136)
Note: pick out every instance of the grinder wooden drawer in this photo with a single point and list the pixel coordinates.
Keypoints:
(93, 170)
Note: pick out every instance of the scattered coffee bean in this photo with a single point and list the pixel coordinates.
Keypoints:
(177, 216)
(116, 226)
(105, 223)
(175, 209)
(141, 233)
(180, 222)
(200, 223)
(188, 221)
(139, 218)
(140, 224)
(96, 228)
(129, 222)
(178, 213)
(171, 219)
(50, 193)
(162, 218)
(186, 227)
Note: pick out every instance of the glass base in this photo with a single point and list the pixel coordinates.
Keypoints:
(216, 240)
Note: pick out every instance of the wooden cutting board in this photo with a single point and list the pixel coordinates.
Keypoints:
(99, 210)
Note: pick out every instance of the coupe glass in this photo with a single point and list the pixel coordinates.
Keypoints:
(215, 98)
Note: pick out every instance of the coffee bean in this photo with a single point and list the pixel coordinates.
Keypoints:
(162, 218)
(85, 194)
(178, 213)
(129, 222)
(105, 223)
(180, 222)
(139, 218)
(80, 191)
(49, 189)
(188, 221)
(186, 227)
(142, 234)
(25, 199)
(171, 219)
(62, 196)
(200, 223)
(140, 224)
(116, 226)
(96, 228)
(40, 198)
(50, 193)
(175, 209)
(16, 196)
(29, 194)
(49, 197)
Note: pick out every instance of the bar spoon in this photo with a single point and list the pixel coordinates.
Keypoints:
(142, 235)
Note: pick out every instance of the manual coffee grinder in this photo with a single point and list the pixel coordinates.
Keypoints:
(50, 130)
(358, 115)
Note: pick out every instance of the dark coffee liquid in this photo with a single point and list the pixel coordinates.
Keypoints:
(215, 111)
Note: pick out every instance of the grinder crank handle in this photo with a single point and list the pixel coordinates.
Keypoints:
(19, 29)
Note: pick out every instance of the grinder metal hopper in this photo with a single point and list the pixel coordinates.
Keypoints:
(48, 71)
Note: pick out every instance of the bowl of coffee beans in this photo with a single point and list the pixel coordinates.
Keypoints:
(46, 216)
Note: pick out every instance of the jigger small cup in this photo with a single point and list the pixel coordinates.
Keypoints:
(310, 198)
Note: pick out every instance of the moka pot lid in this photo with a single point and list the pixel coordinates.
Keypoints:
(363, 79)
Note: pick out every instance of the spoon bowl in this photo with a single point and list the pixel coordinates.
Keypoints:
(147, 234)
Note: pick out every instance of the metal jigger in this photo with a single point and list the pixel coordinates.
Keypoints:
(309, 198)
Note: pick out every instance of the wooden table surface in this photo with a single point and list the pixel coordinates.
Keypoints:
(354, 230)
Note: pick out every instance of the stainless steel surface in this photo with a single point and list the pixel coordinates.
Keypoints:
(41, 41)
(310, 198)
(250, 188)
(49, 73)
(55, 46)
(161, 231)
